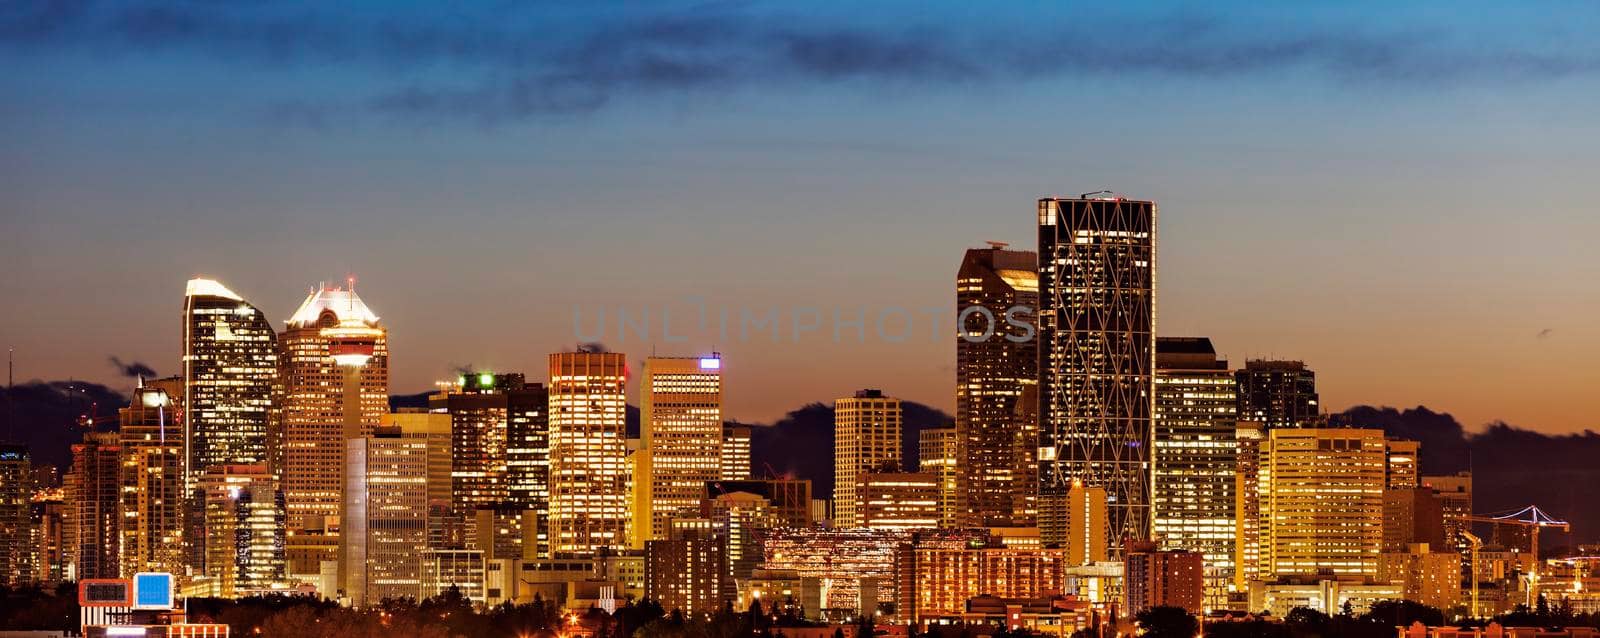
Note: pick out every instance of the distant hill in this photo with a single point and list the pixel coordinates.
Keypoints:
(800, 445)
(44, 415)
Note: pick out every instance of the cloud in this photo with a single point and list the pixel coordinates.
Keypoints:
(515, 62)
(131, 369)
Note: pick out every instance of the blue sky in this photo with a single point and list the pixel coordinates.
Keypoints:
(1402, 196)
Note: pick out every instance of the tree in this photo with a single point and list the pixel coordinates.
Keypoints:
(1167, 622)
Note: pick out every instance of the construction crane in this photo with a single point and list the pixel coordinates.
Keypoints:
(1472, 577)
(1534, 520)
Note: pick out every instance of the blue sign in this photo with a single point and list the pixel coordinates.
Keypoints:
(152, 590)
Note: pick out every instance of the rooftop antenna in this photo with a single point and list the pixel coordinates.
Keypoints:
(352, 283)
(997, 245)
(11, 401)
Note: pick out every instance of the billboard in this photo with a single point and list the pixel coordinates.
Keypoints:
(105, 592)
(152, 590)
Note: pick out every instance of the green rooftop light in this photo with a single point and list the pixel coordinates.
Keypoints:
(486, 379)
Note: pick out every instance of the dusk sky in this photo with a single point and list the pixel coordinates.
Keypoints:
(1402, 196)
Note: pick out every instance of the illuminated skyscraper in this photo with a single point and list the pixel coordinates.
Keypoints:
(153, 495)
(1404, 465)
(1086, 525)
(936, 455)
(336, 379)
(735, 452)
(1097, 275)
(230, 377)
(681, 427)
(1196, 458)
(1455, 501)
(499, 429)
(17, 549)
(866, 438)
(1247, 499)
(1321, 501)
(432, 428)
(385, 525)
(588, 430)
(997, 291)
(244, 530)
(93, 502)
(1279, 394)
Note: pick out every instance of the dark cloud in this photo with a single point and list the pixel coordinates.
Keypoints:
(523, 62)
(131, 369)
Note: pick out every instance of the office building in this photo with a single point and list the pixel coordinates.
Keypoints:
(335, 357)
(589, 486)
(230, 379)
(1278, 394)
(505, 532)
(1321, 501)
(1430, 576)
(1154, 577)
(499, 445)
(788, 499)
(855, 567)
(681, 427)
(742, 518)
(898, 501)
(461, 569)
(1403, 465)
(1412, 515)
(93, 502)
(938, 580)
(736, 463)
(432, 428)
(244, 530)
(936, 455)
(1197, 458)
(866, 431)
(1088, 519)
(1454, 492)
(997, 291)
(50, 549)
(18, 555)
(1247, 498)
(385, 524)
(152, 482)
(1097, 274)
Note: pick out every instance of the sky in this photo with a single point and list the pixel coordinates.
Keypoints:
(1401, 196)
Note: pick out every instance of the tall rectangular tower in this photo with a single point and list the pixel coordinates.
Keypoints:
(152, 508)
(997, 294)
(93, 502)
(1196, 457)
(1097, 277)
(1321, 501)
(1279, 394)
(866, 438)
(735, 452)
(17, 550)
(682, 435)
(230, 379)
(936, 455)
(385, 524)
(588, 452)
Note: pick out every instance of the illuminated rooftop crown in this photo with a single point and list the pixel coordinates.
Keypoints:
(344, 303)
(209, 288)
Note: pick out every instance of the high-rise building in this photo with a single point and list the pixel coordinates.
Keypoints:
(231, 393)
(93, 502)
(1086, 525)
(997, 292)
(1454, 492)
(1279, 394)
(789, 499)
(588, 430)
(736, 463)
(936, 455)
(1162, 578)
(244, 529)
(1321, 501)
(681, 428)
(1412, 515)
(17, 551)
(1247, 498)
(50, 547)
(742, 517)
(385, 526)
(500, 442)
(898, 501)
(432, 428)
(1431, 577)
(153, 495)
(866, 438)
(687, 571)
(1196, 458)
(1097, 275)
(336, 386)
(1403, 467)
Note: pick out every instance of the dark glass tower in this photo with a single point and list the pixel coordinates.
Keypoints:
(994, 449)
(230, 374)
(1278, 394)
(1097, 267)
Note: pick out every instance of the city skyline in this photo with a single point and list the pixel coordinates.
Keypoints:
(1321, 205)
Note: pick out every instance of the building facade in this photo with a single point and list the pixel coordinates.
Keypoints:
(866, 431)
(997, 293)
(93, 503)
(736, 462)
(1154, 577)
(898, 501)
(589, 480)
(1278, 394)
(936, 455)
(1321, 501)
(231, 394)
(1197, 458)
(18, 551)
(385, 526)
(153, 495)
(681, 427)
(1097, 274)
(244, 530)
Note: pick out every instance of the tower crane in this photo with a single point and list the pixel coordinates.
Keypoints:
(1534, 520)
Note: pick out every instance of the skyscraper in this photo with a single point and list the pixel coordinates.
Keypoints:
(735, 452)
(230, 378)
(1247, 498)
(1279, 394)
(1404, 465)
(866, 438)
(336, 380)
(682, 435)
(17, 551)
(1321, 501)
(1097, 275)
(94, 499)
(1196, 458)
(153, 496)
(997, 292)
(499, 449)
(385, 525)
(936, 455)
(244, 529)
(588, 449)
